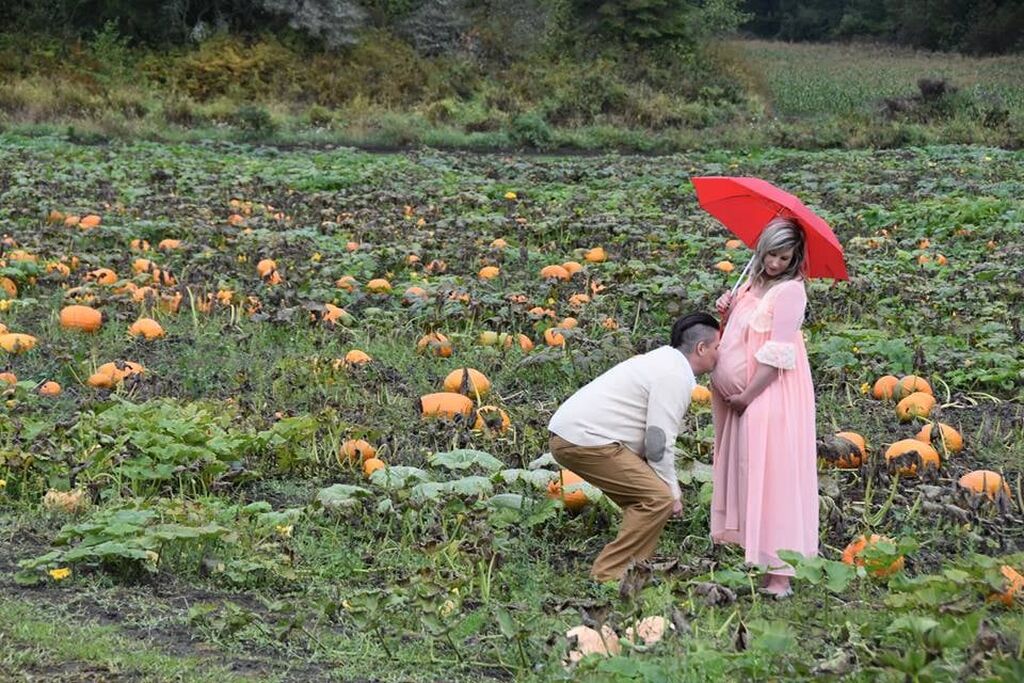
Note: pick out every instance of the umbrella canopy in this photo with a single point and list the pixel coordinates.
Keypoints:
(746, 205)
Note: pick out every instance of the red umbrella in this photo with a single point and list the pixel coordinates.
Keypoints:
(747, 205)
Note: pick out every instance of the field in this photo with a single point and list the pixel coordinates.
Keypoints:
(207, 516)
(824, 79)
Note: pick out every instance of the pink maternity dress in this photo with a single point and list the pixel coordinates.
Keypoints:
(765, 495)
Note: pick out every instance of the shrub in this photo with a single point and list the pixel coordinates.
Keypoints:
(531, 130)
(255, 120)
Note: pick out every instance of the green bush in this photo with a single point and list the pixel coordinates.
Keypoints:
(531, 130)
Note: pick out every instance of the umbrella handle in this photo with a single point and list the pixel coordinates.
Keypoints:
(746, 269)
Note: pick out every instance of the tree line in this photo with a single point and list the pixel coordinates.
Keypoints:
(978, 27)
(436, 26)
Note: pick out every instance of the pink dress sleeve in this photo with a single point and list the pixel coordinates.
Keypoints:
(787, 317)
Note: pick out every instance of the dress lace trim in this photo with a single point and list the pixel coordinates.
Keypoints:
(780, 355)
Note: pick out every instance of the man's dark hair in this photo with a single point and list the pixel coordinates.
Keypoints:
(692, 328)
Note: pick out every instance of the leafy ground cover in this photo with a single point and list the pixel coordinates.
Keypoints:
(213, 509)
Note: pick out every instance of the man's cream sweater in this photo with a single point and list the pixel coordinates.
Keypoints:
(649, 390)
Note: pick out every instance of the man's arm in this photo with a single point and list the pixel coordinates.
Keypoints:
(667, 402)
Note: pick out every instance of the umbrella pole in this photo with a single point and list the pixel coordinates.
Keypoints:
(746, 269)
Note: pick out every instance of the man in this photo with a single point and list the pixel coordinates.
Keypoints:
(619, 431)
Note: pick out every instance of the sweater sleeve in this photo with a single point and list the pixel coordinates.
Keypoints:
(787, 317)
(667, 401)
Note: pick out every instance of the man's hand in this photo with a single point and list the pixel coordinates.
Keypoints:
(677, 508)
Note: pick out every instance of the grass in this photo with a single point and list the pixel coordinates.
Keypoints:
(42, 640)
(252, 572)
(738, 95)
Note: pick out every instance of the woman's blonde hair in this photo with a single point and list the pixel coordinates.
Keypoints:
(780, 233)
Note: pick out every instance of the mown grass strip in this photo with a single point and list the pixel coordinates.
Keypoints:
(34, 642)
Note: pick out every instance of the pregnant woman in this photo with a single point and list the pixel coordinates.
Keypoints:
(765, 466)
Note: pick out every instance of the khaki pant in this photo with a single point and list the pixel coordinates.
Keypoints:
(627, 479)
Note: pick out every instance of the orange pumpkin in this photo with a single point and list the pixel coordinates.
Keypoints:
(553, 337)
(101, 276)
(169, 244)
(525, 343)
(884, 387)
(595, 255)
(572, 267)
(468, 381)
(142, 265)
(8, 378)
(489, 272)
(414, 294)
(356, 451)
(573, 500)
(568, 323)
(733, 244)
(984, 481)
(378, 286)
(84, 318)
(1014, 586)
(50, 389)
(335, 315)
(435, 343)
(9, 287)
(700, 395)
(853, 554)
(372, 465)
(911, 384)
(147, 328)
(852, 460)
(90, 221)
(445, 404)
(917, 404)
(109, 375)
(554, 272)
(265, 267)
(492, 419)
(578, 300)
(139, 245)
(725, 266)
(17, 342)
(907, 453)
(357, 357)
(942, 436)
(499, 243)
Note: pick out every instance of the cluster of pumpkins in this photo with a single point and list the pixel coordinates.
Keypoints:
(463, 391)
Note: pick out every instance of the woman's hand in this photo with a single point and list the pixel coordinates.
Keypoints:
(723, 303)
(738, 402)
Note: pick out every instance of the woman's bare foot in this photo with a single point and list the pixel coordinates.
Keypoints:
(778, 585)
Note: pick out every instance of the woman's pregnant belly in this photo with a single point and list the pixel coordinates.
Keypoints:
(730, 374)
